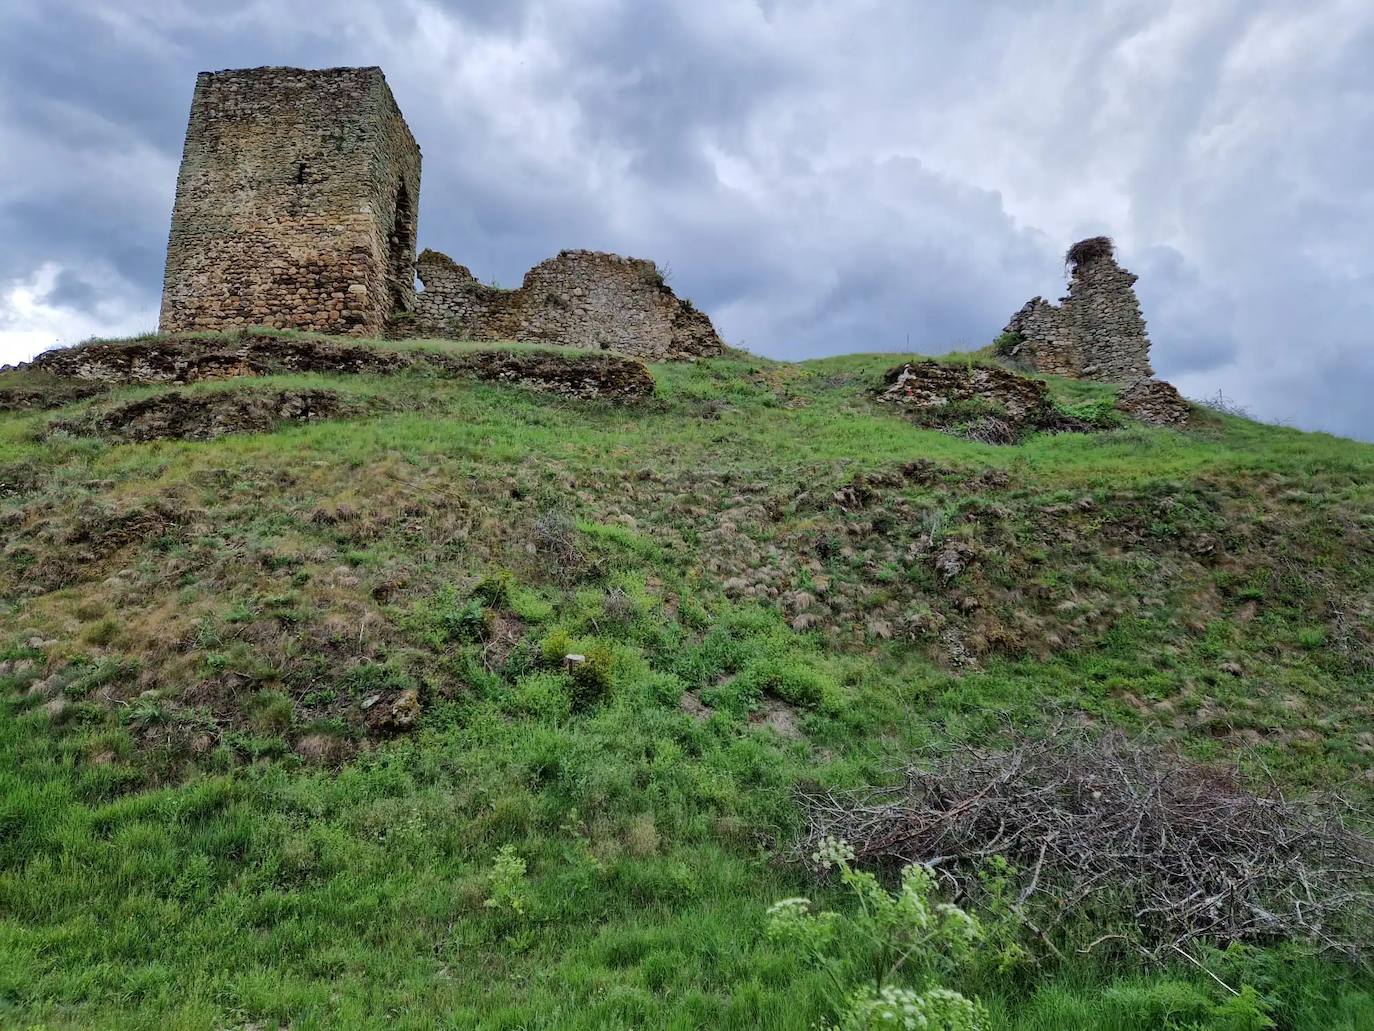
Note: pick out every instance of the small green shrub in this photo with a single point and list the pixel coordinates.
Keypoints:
(1311, 638)
(495, 590)
(273, 712)
(1096, 413)
(465, 623)
(147, 713)
(592, 677)
(793, 680)
(373, 678)
(530, 606)
(1007, 342)
(506, 884)
(447, 618)
(661, 688)
(619, 542)
(555, 647)
(543, 694)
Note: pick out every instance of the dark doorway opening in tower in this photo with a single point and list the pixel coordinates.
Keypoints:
(400, 272)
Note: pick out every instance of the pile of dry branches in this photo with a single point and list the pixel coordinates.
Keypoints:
(1166, 851)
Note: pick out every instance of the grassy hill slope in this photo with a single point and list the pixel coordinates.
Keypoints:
(288, 735)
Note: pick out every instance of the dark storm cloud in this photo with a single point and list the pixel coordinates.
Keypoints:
(69, 290)
(820, 177)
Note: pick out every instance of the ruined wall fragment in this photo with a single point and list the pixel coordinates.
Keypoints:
(1155, 402)
(586, 299)
(1096, 332)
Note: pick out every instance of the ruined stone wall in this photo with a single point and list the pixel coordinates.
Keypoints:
(1096, 332)
(586, 299)
(296, 204)
(1155, 402)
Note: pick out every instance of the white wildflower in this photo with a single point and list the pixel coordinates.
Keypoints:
(832, 852)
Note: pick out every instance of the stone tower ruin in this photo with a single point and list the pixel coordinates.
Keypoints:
(296, 204)
(1096, 332)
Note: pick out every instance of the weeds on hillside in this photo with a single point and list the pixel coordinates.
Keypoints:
(179, 777)
(506, 882)
(1222, 405)
(1007, 343)
(900, 941)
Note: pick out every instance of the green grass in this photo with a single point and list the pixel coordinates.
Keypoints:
(172, 856)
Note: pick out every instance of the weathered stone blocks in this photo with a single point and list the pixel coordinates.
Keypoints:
(1096, 332)
(296, 204)
(1155, 402)
(932, 386)
(296, 208)
(587, 299)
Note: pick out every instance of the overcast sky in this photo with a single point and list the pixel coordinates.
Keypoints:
(820, 177)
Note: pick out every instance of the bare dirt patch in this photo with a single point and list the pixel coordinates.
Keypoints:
(694, 707)
(778, 716)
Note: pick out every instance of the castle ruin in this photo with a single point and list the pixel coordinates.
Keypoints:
(296, 208)
(1096, 332)
(296, 204)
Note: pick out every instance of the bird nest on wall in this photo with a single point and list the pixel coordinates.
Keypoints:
(1091, 249)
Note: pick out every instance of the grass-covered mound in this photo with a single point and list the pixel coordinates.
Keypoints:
(484, 706)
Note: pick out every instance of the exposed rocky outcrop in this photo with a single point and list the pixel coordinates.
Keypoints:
(1096, 332)
(600, 377)
(205, 416)
(586, 299)
(52, 394)
(188, 359)
(1155, 402)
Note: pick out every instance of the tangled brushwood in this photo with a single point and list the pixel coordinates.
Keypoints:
(1168, 851)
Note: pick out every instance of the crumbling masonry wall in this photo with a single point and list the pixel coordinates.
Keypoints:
(586, 299)
(296, 204)
(1096, 332)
